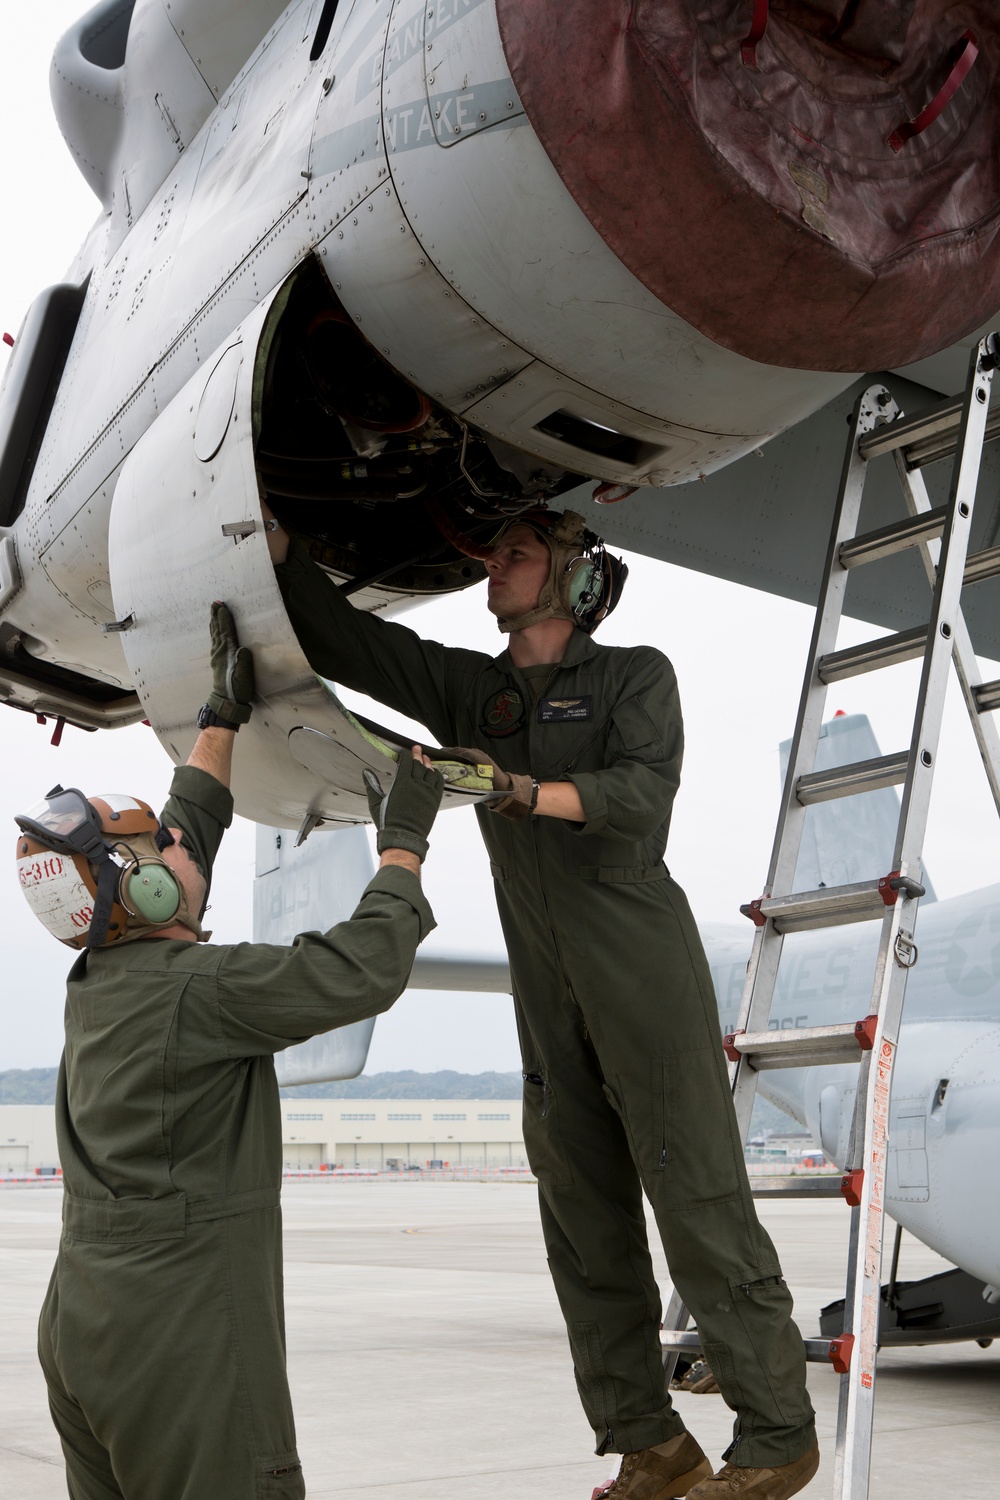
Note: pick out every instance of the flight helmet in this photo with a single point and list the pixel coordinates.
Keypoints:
(585, 582)
(92, 870)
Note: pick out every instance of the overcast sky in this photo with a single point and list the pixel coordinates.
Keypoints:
(739, 694)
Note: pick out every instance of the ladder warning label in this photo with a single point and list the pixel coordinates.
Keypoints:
(873, 1229)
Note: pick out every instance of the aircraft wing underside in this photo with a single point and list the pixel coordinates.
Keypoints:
(765, 521)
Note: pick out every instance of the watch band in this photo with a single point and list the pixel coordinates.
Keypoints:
(209, 719)
(535, 789)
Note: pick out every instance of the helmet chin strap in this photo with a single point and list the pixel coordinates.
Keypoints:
(553, 610)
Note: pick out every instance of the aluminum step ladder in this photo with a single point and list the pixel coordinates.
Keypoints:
(956, 427)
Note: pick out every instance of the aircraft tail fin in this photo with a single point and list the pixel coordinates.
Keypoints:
(848, 838)
(299, 888)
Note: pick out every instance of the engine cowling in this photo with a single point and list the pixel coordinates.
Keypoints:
(186, 528)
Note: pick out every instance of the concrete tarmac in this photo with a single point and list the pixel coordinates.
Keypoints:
(428, 1360)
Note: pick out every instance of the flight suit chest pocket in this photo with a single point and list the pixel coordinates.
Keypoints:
(635, 732)
(571, 746)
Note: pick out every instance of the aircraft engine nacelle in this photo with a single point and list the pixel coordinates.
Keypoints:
(186, 529)
(942, 1120)
(559, 221)
(463, 257)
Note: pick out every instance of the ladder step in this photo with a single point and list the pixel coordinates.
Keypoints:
(886, 651)
(924, 438)
(873, 545)
(845, 781)
(689, 1342)
(981, 565)
(887, 540)
(676, 1338)
(830, 906)
(791, 1186)
(987, 696)
(819, 1352)
(797, 1047)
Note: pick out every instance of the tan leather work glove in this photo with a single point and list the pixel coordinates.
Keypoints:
(516, 794)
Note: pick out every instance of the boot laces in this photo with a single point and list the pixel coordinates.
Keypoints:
(630, 1462)
(736, 1476)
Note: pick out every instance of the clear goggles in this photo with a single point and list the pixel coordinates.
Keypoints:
(66, 822)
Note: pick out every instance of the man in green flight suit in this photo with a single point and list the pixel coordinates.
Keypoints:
(162, 1333)
(625, 1083)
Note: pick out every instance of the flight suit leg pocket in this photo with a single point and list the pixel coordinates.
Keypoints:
(702, 1153)
(543, 1140)
(720, 1362)
(645, 1128)
(279, 1477)
(764, 1307)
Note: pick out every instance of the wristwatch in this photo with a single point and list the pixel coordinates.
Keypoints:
(535, 789)
(209, 719)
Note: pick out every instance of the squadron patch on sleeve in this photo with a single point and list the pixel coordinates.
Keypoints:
(503, 714)
(563, 710)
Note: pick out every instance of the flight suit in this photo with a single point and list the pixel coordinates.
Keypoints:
(625, 1083)
(162, 1333)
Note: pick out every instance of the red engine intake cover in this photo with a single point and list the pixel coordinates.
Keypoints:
(762, 200)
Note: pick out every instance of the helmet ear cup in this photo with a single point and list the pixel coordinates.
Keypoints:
(150, 890)
(584, 585)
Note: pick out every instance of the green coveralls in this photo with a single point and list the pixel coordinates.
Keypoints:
(162, 1333)
(625, 1083)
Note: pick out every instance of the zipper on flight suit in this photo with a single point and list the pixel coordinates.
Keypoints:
(585, 746)
(579, 1008)
(541, 1083)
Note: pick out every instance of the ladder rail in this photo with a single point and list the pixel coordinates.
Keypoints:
(963, 654)
(867, 1151)
(942, 537)
(874, 406)
(945, 611)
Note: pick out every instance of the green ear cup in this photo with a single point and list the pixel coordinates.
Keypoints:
(150, 890)
(584, 586)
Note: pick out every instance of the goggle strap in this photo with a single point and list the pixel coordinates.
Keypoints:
(107, 886)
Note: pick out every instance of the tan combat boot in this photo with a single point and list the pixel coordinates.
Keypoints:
(665, 1472)
(698, 1379)
(735, 1482)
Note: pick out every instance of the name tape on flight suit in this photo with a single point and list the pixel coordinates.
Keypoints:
(563, 710)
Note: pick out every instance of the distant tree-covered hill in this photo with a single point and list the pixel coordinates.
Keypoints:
(28, 1086)
(38, 1086)
(443, 1085)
